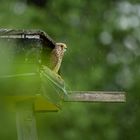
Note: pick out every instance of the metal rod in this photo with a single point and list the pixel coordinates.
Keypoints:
(95, 96)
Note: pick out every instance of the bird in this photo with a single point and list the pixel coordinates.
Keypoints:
(56, 56)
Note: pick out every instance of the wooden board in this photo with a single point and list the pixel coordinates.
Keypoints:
(95, 96)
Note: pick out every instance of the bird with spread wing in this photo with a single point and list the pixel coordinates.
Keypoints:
(37, 48)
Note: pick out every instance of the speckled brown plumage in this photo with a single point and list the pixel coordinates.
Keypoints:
(57, 56)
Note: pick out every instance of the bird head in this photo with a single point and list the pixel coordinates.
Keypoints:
(62, 47)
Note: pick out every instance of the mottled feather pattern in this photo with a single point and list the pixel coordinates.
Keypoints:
(57, 56)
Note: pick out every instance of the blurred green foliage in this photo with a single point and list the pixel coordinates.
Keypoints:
(103, 41)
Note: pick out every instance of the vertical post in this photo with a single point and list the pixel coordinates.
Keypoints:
(25, 121)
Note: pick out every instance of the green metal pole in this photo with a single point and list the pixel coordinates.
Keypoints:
(25, 122)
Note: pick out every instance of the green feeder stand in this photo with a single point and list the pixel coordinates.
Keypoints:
(27, 85)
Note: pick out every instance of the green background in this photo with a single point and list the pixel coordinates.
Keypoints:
(103, 39)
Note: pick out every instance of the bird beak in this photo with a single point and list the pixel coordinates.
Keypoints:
(65, 49)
